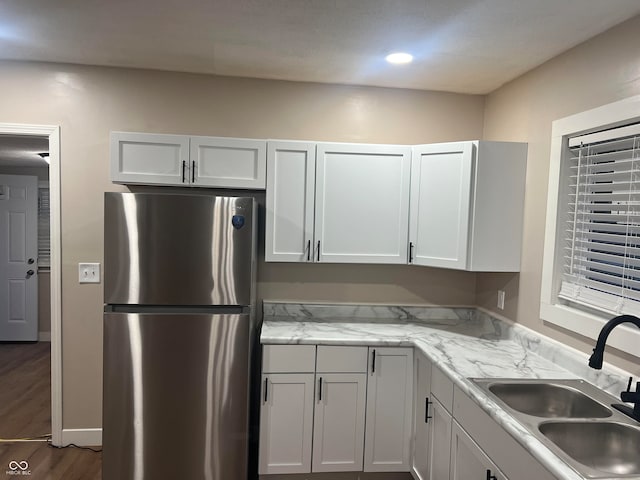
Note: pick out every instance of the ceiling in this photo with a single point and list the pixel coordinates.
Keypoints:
(466, 46)
(22, 151)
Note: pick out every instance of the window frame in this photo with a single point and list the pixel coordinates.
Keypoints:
(552, 309)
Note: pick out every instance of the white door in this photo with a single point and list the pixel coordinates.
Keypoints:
(18, 258)
(291, 176)
(228, 162)
(387, 445)
(338, 428)
(439, 441)
(148, 158)
(422, 417)
(440, 204)
(468, 460)
(286, 422)
(362, 203)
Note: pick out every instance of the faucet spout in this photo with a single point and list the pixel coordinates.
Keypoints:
(598, 352)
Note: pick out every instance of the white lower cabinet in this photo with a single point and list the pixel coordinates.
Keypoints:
(421, 416)
(338, 429)
(387, 445)
(439, 442)
(286, 423)
(468, 461)
(314, 421)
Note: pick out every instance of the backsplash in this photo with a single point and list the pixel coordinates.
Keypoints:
(470, 319)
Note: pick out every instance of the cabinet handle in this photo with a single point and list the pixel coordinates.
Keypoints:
(426, 410)
(318, 250)
(184, 165)
(489, 476)
(373, 361)
(193, 171)
(266, 386)
(410, 252)
(308, 250)
(320, 389)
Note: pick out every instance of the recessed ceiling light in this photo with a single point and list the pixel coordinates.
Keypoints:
(399, 58)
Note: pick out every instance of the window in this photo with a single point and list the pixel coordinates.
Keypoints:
(591, 269)
(602, 221)
(44, 240)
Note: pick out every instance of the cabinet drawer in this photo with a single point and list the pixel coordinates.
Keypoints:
(342, 359)
(442, 388)
(289, 359)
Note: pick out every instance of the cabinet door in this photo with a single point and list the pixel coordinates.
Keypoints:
(291, 173)
(421, 417)
(389, 410)
(440, 204)
(362, 203)
(338, 429)
(228, 162)
(439, 442)
(149, 158)
(286, 422)
(468, 460)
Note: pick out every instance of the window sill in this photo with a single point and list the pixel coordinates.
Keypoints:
(624, 338)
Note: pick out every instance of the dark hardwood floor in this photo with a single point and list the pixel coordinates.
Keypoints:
(25, 411)
(48, 463)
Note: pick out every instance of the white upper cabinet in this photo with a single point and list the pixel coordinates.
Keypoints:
(228, 162)
(337, 202)
(466, 198)
(362, 203)
(151, 159)
(291, 173)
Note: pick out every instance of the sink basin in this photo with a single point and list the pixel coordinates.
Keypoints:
(608, 447)
(573, 419)
(548, 400)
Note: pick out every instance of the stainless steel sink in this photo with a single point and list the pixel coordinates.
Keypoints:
(548, 400)
(573, 419)
(603, 446)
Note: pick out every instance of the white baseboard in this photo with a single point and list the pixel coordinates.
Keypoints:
(83, 437)
(44, 336)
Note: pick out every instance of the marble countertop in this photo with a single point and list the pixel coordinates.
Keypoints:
(461, 344)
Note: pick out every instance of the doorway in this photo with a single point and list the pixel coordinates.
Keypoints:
(30, 353)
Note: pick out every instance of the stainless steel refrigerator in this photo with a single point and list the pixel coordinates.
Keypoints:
(179, 325)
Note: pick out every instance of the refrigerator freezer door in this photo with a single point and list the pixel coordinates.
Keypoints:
(175, 396)
(178, 249)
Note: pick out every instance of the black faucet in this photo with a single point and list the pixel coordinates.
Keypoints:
(596, 362)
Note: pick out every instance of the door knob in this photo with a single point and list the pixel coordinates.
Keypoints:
(30, 272)
(30, 261)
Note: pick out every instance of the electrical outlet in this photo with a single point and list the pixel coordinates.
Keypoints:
(501, 299)
(89, 272)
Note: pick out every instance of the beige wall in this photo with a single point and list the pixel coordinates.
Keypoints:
(598, 72)
(89, 102)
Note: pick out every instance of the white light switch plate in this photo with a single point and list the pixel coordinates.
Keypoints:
(89, 272)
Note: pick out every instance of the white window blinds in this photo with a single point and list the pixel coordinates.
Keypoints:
(44, 240)
(602, 223)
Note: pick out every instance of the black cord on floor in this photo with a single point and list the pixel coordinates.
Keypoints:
(74, 446)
